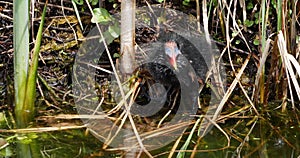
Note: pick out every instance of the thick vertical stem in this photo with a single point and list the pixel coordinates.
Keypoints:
(21, 58)
(21, 50)
(127, 62)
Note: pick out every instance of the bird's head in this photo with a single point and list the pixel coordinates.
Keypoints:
(172, 52)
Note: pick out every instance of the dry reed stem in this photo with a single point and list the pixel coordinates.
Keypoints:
(230, 89)
(71, 116)
(41, 129)
(288, 60)
(259, 73)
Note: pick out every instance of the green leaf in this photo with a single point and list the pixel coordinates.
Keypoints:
(274, 3)
(160, 1)
(256, 42)
(79, 2)
(256, 15)
(24, 139)
(108, 37)
(116, 55)
(248, 23)
(114, 30)
(95, 98)
(249, 6)
(32, 135)
(185, 2)
(237, 42)
(297, 39)
(115, 5)
(101, 15)
(94, 2)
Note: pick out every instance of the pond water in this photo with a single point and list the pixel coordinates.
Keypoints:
(274, 134)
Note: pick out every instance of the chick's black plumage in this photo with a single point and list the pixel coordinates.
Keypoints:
(175, 65)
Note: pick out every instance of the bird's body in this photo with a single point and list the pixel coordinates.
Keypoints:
(164, 63)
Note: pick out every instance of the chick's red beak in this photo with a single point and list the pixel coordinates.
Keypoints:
(173, 61)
